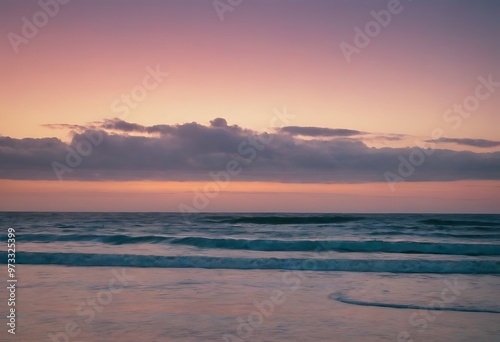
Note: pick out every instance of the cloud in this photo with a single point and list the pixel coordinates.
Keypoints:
(391, 137)
(190, 151)
(319, 131)
(65, 126)
(27, 158)
(120, 125)
(482, 143)
(123, 126)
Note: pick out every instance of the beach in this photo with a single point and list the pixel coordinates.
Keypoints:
(210, 305)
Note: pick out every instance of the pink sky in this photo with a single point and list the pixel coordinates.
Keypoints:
(263, 57)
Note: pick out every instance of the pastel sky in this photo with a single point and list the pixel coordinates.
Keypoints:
(136, 105)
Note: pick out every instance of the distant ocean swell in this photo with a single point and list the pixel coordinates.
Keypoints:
(276, 220)
(271, 245)
(349, 265)
(454, 223)
(334, 219)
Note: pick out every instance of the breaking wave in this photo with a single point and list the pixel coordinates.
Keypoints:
(342, 246)
(273, 245)
(339, 297)
(348, 265)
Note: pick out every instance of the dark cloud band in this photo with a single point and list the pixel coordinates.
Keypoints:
(191, 151)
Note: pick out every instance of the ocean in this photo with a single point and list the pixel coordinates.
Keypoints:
(254, 277)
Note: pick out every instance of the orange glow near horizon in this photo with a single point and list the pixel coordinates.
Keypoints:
(249, 196)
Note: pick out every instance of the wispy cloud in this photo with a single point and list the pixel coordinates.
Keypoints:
(319, 131)
(67, 126)
(483, 143)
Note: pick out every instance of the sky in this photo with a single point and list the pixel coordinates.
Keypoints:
(253, 105)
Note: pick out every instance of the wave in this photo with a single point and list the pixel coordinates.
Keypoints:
(347, 265)
(453, 223)
(483, 235)
(277, 220)
(343, 299)
(109, 239)
(272, 245)
(342, 246)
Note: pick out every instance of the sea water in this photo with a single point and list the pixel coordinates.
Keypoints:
(255, 277)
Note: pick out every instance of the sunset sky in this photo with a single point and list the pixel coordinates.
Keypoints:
(136, 105)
